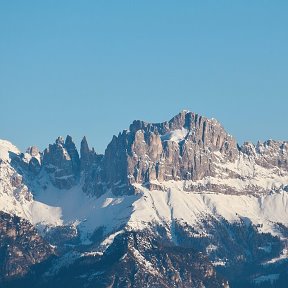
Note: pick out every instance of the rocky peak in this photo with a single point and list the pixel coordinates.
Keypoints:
(249, 149)
(89, 157)
(59, 141)
(73, 153)
(33, 151)
(85, 154)
(268, 154)
(180, 149)
(192, 127)
(35, 160)
(183, 119)
(84, 149)
(61, 161)
(91, 170)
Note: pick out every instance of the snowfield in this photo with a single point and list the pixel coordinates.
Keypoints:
(164, 207)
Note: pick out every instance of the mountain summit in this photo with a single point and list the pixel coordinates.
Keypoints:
(172, 204)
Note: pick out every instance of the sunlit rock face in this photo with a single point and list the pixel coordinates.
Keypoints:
(181, 149)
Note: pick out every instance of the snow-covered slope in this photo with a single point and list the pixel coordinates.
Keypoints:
(86, 212)
(5, 148)
(17, 199)
(55, 207)
(175, 204)
(239, 189)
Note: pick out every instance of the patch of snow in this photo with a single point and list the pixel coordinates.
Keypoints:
(27, 157)
(281, 257)
(175, 135)
(45, 214)
(218, 263)
(109, 240)
(92, 253)
(91, 276)
(144, 262)
(267, 248)
(210, 248)
(266, 278)
(5, 148)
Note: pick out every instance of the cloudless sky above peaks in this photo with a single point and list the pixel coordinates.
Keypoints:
(92, 67)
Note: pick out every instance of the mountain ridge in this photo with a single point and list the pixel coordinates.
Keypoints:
(185, 182)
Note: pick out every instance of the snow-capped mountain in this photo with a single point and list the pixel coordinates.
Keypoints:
(173, 204)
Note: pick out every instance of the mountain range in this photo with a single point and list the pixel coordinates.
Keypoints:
(172, 204)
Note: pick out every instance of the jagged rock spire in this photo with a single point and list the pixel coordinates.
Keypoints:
(74, 155)
(84, 148)
(86, 154)
(60, 141)
(61, 161)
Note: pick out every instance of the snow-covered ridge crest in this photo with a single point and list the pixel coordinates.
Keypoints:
(5, 148)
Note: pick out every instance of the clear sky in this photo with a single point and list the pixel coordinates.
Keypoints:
(92, 67)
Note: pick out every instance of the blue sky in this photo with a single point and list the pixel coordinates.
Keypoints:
(92, 67)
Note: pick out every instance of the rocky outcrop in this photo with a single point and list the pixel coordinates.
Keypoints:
(61, 162)
(73, 153)
(91, 170)
(33, 151)
(269, 154)
(88, 157)
(34, 166)
(21, 247)
(35, 161)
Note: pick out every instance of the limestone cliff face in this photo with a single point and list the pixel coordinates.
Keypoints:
(181, 149)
